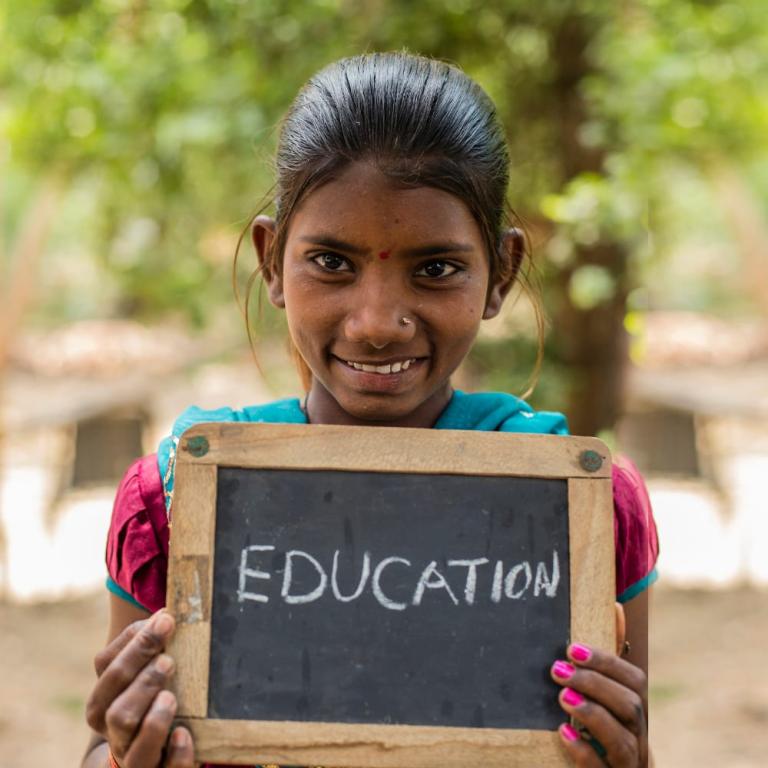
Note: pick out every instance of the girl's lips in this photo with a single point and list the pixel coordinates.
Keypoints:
(381, 367)
(381, 382)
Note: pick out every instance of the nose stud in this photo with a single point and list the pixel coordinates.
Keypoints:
(404, 322)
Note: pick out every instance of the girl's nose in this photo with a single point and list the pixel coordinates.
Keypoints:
(379, 324)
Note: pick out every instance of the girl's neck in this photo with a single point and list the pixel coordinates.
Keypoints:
(321, 408)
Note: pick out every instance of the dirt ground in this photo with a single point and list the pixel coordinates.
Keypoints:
(709, 679)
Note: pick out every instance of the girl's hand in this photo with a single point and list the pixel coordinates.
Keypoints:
(608, 696)
(129, 705)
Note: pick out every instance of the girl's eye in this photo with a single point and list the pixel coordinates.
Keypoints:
(437, 269)
(332, 262)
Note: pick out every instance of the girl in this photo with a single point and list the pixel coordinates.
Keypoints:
(388, 247)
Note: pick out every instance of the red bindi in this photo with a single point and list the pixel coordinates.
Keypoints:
(384, 254)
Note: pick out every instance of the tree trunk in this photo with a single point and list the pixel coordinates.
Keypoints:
(590, 343)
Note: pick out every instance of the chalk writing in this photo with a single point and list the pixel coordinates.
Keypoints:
(516, 581)
(245, 572)
(377, 591)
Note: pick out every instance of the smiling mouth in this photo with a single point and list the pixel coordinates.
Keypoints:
(384, 369)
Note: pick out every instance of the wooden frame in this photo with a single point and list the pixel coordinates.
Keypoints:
(584, 462)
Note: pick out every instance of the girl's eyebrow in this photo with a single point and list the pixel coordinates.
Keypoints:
(331, 242)
(436, 249)
(433, 249)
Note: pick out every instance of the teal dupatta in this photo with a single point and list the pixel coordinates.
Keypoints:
(483, 412)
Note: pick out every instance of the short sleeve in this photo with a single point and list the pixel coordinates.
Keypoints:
(636, 539)
(137, 542)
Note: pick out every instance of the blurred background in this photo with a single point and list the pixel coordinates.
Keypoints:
(135, 145)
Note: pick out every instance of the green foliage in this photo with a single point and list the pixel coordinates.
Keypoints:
(163, 116)
(165, 112)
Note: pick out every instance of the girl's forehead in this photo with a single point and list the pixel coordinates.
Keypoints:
(364, 200)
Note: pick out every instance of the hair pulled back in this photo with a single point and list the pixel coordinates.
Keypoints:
(421, 121)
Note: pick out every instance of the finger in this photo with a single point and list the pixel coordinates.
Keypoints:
(144, 645)
(127, 713)
(610, 665)
(624, 703)
(622, 747)
(146, 749)
(579, 751)
(181, 752)
(105, 656)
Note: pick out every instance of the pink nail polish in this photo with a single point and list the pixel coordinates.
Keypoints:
(569, 732)
(580, 652)
(571, 698)
(563, 669)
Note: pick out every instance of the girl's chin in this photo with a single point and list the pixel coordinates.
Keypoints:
(361, 410)
(381, 412)
(343, 405)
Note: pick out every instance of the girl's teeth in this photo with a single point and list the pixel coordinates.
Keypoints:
(383, 369)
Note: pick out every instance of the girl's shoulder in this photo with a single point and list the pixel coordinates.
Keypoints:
(287, 411)
(137, 540)
(635, 535)
(139, 532)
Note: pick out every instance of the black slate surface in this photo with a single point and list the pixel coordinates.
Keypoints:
(449, 660)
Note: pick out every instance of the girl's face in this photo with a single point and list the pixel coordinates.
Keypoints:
(384, 289)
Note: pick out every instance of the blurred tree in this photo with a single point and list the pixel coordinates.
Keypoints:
(163, 114)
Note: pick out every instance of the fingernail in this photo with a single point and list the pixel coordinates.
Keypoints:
(579, 652)
(571, 698)
(163, 623)
(166, 700)
(164, 663)
(179, 738)
(563, 669)
(569, 732)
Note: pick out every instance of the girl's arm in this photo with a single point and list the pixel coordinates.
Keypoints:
(636, 612)
(608, 695)
(129, 709)
(636, 618)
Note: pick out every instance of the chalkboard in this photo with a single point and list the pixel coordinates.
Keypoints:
(341, 606)
(418, 599)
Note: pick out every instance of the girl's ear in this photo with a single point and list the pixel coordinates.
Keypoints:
(511, 252)
(263, 238)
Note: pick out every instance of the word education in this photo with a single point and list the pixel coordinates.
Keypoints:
(395, 582)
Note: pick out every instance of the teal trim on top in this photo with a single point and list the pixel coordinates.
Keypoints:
(638, 587)
(499, 412)
(116, 589)
(286, 411)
